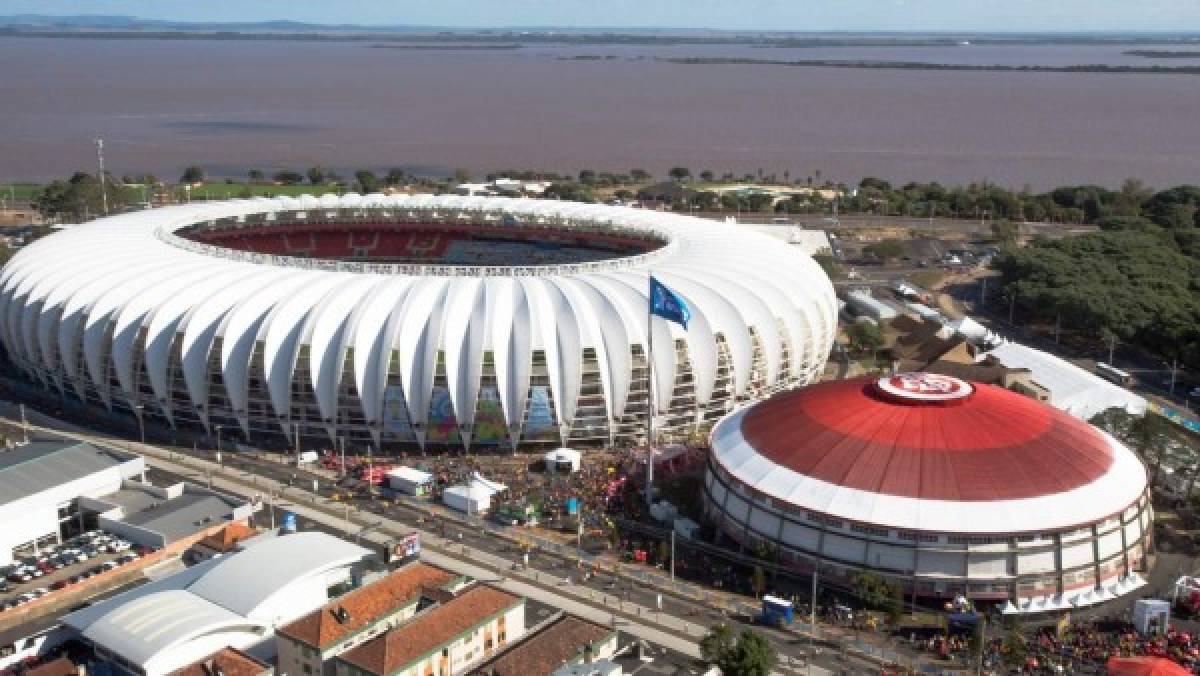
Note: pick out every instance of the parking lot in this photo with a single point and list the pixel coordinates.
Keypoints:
(58, 568)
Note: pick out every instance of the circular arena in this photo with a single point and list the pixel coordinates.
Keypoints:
(413, 321)
(943, 486)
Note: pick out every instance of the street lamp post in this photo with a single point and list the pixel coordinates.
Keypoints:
(141, 412)
(218, 429)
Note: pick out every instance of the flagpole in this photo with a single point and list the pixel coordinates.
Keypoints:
(650, 391)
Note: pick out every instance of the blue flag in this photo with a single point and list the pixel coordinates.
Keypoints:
(667, 304)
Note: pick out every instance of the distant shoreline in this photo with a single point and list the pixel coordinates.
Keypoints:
(516, 39)
(921, 65)
(1164, 53)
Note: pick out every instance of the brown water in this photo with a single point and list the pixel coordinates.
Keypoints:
(228, 106)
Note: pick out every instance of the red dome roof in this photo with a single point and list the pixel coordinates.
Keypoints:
(933, 438)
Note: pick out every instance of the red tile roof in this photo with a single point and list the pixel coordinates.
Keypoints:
(227, 539)
(59, 667)
(430, 630)
(231, 662)
(546, 650)
(366, 605)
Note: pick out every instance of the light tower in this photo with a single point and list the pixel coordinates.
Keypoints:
(100, 158)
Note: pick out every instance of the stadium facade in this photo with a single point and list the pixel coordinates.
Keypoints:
(941, 485)
(413, 320)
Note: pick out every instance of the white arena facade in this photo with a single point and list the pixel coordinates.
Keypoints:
(412, 321)
(943, 486)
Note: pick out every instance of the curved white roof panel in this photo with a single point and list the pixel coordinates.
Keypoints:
(160, 623)
(347, 346)
(247, 582)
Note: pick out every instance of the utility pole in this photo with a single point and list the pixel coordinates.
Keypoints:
(141, 412)
(672, 555)
(650, 400)
(1174, 367)
(100, 159)
(983, 291)
(812, 617)
(24, 425)
(342, 443)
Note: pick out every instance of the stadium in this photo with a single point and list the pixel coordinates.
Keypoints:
(946, 487)
(412, 321)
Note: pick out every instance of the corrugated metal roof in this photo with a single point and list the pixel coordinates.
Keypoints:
(244, 581)
(42, 465)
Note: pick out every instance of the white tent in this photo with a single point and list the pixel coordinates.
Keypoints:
(564, 458)
(1009, 609)
(487, 484)
(409, 480)
(1079, 392)
(472, 498)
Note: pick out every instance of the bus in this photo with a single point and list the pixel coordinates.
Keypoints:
(1116, 375)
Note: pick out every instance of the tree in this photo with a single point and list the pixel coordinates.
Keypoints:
(747, 654)
(255, 175)
(662, 553)
(1005, 232)
(316, 175)
(829, 264)
(288, 177)
(1151, 435)
(679, 173)
(1015, 649)
(367, 181)
(81, 197)
(865, 336)
(462, 176)
(758, 581)
(706, 175)
(191, 175)
(640, 175)
(395, 177)
(718, 644)
(885, 249)
(587, 176)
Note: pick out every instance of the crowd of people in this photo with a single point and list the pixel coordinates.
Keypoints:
(1076, 648)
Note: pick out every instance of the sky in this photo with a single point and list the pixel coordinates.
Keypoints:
(799, 15)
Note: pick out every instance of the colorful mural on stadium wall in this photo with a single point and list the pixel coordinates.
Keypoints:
(395, 414)
(442, 426)
(489, 418)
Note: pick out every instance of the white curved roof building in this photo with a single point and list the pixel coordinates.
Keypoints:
(413, 320)
(234, 600)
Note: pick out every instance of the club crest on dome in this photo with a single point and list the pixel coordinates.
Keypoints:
(925, 387)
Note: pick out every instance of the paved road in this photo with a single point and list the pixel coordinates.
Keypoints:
(549, 578)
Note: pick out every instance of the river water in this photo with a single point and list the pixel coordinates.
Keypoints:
(233, 105)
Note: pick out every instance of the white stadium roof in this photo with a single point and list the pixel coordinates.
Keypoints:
(100, 287)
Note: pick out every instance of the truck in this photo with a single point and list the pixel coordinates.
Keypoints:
(776, 612)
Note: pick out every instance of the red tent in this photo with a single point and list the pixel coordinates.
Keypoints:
(1145, 666)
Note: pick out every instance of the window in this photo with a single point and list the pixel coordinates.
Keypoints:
(307, 669)
(868, 530)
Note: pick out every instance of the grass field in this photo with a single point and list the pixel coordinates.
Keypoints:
(229, 190)
(20, 191)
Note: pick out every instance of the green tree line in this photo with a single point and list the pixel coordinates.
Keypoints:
(1137, 280)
